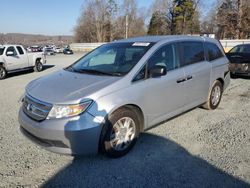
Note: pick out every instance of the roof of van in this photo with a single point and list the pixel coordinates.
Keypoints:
(163, 37)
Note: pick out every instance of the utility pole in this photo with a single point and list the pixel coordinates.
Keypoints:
(126, 35)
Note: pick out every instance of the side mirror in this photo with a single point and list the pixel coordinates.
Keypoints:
(10, 53)
(157, 71)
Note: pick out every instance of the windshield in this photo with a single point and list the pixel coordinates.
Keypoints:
(2, 50)
(240, 49)
(115, 59)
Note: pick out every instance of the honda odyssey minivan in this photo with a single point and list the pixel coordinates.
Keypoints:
(105, 100)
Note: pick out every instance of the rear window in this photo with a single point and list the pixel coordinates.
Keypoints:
(193, 52)
(213, 51)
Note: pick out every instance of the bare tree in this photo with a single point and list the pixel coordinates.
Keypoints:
(104, 20)
(2, 38)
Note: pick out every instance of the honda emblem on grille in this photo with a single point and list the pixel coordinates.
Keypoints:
(29, 107)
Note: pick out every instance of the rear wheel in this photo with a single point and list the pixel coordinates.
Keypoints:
(214, 97)
(122, 131)
(3, 73)
(38, 66)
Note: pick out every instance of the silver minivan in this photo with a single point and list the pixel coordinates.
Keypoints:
(105, 99)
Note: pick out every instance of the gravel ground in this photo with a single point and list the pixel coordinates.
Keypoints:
(197, 149)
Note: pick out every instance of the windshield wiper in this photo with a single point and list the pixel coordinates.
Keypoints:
(70, 68)
(91, 71)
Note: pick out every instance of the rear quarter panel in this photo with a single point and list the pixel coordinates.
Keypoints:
(220, 70)
(32, 57)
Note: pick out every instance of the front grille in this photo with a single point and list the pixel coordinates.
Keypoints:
(35, 109)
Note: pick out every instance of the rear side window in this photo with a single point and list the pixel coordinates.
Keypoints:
(192, 52)
(20, 50)
(213, 51)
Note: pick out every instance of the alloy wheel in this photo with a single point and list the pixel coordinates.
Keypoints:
(123, 133)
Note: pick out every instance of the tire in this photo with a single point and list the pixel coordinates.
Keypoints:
(38, 66)
(3, 73)
(120, 138)
(214, 96)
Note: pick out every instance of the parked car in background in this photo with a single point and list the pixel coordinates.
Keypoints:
(34, 49)
(14, 58)
(239, 58)
(49, 51)
(58, 50)
(108, 97)
(67, 51)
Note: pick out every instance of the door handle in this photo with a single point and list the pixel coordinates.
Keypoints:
(181, 80)
(189, 77)
(236, 56)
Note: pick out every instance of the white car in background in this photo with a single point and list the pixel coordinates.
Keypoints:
(49, 51)
(58, 50)
(14, 58)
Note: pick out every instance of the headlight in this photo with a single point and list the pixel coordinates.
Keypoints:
(245, 67)
(61, 111)
(21, 98)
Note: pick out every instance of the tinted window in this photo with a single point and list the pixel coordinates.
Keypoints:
(20, 50)
(11, 49)
(246, 49)
(193, 52)
(236, 49)
(165, 56)
(1, 50)
(141, 75)
(213, 51)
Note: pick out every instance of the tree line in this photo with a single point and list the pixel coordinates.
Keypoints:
(108, 20)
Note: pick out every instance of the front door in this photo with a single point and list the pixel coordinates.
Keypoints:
(12, 61)
(163, 97)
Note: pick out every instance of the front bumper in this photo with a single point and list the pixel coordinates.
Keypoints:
(75, 136)
(240, 69)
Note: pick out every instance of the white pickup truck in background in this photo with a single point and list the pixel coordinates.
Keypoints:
(14, 58)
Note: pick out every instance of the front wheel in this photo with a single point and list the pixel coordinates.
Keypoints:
(3, 73)
(38, 66)
(214, 97)
(121, 134)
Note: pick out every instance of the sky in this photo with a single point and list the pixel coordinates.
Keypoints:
(48, 17)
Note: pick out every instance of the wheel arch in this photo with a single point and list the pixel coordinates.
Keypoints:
(138, 112)
(221, 81)
(136, 109)
(2, 64)
(133, 107)
(38, 59)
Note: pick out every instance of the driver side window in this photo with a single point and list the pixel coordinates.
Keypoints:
(165, 56)
(11, 49)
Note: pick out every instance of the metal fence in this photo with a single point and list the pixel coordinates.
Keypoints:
(85, 47)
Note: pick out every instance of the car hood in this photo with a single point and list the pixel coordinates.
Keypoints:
(64, 87)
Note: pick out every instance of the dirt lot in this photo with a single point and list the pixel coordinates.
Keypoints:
(197, 149)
